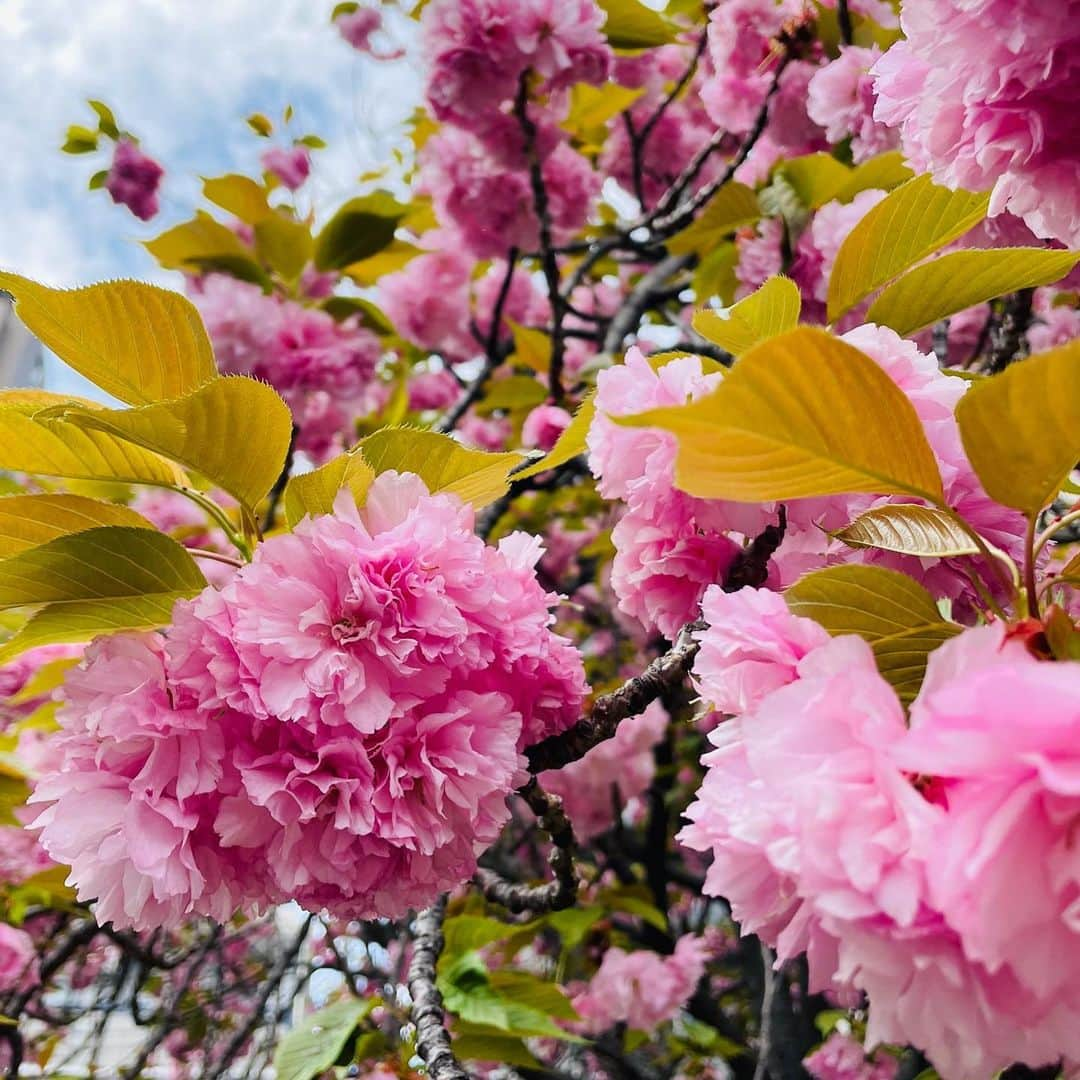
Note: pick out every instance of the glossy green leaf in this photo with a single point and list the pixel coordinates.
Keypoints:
(235, 431)
(480, 1042)
(911, 222)
(315, 1044)
(961, 279)
(570, 443)
(51, 446)
(138, 342)
(909, 529)
(476, 476)
(98, 564)
(1021, 429)
(29, 520)
(891, 611)
(770, 310)
(732, 206)
(243, 197)
(361, 228)
(800, 414)
(314, 492)
(203, 244)
(632, 25)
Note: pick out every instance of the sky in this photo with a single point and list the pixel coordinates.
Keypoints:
(182, 75)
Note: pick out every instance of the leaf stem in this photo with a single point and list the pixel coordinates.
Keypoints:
(1055, 526)
(218, 514)
(1030, 585)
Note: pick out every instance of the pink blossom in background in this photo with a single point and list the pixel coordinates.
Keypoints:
(484, 432)
(323, 369)
(357, 27)
(760, 254)
(428, 302)
(133, 180)
(618, 771)
(1053, 324)
(641, 989)
(290, 165)
(21, 856)
(18, 958)
(841, 99)
(525, 302)
(543, 426)
(476, 51)
(982, 109)
(840, 1057)
(433, 390)
(753, 645)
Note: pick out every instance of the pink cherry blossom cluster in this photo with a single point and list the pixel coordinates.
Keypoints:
(133, 179)
(891, 856)
(642, 989)
(339, 725)
(323, 369)
(983, 95)
(669, 546)
(479, 54)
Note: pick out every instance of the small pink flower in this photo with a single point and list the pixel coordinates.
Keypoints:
(290, 165)
(133, 180)
(543, 426)
(18, 958)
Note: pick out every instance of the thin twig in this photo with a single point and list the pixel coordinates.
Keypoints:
(640, 299)
(278, 490)
(554, 895)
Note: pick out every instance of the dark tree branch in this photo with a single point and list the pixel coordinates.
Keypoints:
(548, 260)
(278, 490)
(1008, 340)
(641, 298)
(843, 19)
(432, 1038)
(750, 568)
(555, 895)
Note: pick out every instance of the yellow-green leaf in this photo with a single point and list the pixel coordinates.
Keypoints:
(591, 107)
(532, 348)
(817, 178)
(204, 244)
(314, 492)
(361, 228)
(283, 244)
(960, 279)
(475, 476)
(393, 256)
(1021, 429)
(570, 443)
(51, 446)
(515, 392)
(137, 342)
(29, 520)
(770, 310)
(311, 1048)
(80, 620)
(800, 414)
(44, 681)
(910, 530)
(911, 222)
(891, 611)
(235, 431)
(714, 276)
(732, 206)
(884, 172)
(243, 197)
(631, 25)
(99, 564)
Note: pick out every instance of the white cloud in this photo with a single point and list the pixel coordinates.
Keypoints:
(181, 74)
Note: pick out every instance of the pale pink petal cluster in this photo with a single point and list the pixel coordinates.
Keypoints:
(841, 1057)
(642, 989)
(428, 302)
(357, 28)
(18, 958)
(841, 99)
(433, 390)
(669, 546)
(617, 772)
(339, 725)
(133, 179)
(322, 368)
(983, 94)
